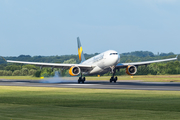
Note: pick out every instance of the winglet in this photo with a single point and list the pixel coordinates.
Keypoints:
(80, 51)
(4, 59)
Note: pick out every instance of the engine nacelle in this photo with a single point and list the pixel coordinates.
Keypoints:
(131, 70)
(74, 71)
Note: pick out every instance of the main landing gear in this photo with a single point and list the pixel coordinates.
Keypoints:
(81, 79)
(113, 79)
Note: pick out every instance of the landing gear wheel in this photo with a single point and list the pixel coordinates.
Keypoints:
(84, 79)
(113, 79)
(81, 79)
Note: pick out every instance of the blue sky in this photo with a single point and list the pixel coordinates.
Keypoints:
(50, 27)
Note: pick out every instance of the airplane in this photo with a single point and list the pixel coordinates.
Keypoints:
(99, 64)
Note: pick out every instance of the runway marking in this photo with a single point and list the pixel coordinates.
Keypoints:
(79, 84)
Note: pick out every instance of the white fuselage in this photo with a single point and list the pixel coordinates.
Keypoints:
(102, 62)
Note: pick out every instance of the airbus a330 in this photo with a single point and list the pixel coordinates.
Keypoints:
(99, 64)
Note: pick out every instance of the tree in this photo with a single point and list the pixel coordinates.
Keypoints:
(37, 73)
(13, 67)
(24, 71)
(9, 73)
(16, 73)
(47, 72)
(2, 66)
(4, 73)
(70, 61)
(128, 61)
(32, 72)
(1, 72)
(29, 67)
(44, 74)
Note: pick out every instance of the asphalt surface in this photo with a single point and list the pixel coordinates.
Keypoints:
(126, 85)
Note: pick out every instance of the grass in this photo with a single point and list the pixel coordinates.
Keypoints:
(35, 103)
(145, 78)
(19, 77)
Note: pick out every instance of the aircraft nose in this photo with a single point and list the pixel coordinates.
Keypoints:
(116, 59)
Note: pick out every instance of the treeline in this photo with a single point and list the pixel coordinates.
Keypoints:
(145, 54)
(26, 70)
(18, 70)
(10, 69)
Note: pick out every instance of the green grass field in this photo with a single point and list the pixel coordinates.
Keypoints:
(40, 103)
(19, 77)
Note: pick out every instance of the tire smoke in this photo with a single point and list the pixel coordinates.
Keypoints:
(59, 79)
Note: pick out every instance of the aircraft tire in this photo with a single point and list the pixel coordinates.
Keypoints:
(81, 79)
(115, 79)
(111, 80)
(84, 79)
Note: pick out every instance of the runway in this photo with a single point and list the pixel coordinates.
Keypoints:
(126, 85)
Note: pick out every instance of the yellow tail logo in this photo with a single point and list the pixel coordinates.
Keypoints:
(80, 51)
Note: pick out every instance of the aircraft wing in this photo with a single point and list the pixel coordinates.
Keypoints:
(55, 65)
(124, 65)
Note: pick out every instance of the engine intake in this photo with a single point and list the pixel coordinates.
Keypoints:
(74, 71)
(131, 70)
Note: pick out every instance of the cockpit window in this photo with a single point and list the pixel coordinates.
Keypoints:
(113, 53)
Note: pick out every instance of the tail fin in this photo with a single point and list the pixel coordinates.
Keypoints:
(4, 59)
(80, 51)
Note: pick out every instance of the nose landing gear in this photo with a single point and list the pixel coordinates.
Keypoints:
(113, 71)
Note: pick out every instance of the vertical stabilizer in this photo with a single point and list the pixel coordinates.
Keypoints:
(80, 51)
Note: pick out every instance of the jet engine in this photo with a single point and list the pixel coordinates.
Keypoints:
(74, 71)
(131, 70)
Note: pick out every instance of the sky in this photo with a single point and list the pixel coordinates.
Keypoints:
(51, 27)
